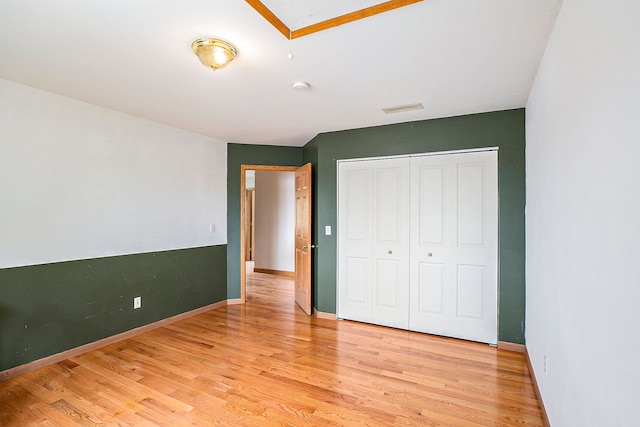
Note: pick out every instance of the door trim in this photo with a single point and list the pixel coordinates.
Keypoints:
(432, 153)
(243, 195)
(303, 235)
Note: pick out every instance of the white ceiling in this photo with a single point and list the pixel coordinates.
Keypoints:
(134, 56)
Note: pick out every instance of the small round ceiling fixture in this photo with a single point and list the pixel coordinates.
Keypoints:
(301, 86)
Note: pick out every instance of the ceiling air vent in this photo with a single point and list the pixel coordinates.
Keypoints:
(403, 108)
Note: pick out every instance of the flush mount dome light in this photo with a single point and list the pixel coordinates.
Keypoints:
(214, 53)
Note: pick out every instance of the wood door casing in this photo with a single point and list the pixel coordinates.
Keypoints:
(249, 224)
(243, 231)
(303, 238)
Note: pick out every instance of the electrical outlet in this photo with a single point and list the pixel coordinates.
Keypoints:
(545, 363)
(212, 228)
(137, 302)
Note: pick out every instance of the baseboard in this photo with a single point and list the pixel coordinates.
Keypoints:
(322, 315)
(58, 357)
(276, 272)
(510, 346)
(234, 301)
(537, 390)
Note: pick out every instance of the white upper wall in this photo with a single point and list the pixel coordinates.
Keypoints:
(275, 220)
(583, 216)
(79, 181)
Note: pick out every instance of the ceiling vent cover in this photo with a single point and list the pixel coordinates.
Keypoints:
(403, 108)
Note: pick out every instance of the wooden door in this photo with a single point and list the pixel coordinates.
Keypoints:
(454, 245)
(303, 238)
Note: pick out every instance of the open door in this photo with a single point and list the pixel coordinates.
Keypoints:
(244, 229)
(303, 238)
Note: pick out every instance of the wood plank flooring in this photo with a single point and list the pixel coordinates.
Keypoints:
(267, 364)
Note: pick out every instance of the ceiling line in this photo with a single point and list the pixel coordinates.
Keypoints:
(329, 23)
(267, 14)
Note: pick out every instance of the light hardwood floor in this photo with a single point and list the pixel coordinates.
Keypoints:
(266, 363)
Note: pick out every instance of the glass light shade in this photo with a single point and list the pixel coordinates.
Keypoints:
(214, 53)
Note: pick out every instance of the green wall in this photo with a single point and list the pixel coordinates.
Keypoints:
(237, 155)
(503, 129)
(49, 308)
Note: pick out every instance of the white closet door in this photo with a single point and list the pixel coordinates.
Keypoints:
(355, 241)
(373, 255)
(390, 275)
(454, 245)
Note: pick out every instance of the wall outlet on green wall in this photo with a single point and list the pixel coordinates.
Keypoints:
(137, 302)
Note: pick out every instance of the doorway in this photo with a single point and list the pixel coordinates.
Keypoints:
(247, 252)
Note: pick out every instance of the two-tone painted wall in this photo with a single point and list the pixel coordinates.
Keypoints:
(99, 207)
(504, 129)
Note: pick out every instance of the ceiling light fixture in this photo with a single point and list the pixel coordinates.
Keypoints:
(301, 86)
(214, 53)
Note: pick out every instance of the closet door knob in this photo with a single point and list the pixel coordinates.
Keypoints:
(429, 254)
(390, 252)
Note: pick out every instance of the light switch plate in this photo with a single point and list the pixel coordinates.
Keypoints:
(327, 230)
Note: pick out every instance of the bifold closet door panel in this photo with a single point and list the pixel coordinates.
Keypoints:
(476, 274)
(355, 241)
(454, 250)
(390, 275)
(431, 306)
(373, 223)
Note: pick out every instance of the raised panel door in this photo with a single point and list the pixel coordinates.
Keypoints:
(354, 241)
(390, 200)
(454, 255)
